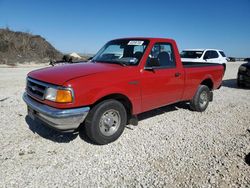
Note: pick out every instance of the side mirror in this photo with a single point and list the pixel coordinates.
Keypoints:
(153, 62)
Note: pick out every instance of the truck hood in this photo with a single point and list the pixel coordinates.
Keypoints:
(58, 75)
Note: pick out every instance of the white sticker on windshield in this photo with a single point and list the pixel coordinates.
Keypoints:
(135, 42)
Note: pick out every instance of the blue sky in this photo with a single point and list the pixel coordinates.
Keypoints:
(84, 26)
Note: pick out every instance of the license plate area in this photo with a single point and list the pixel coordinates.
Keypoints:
(31, 113)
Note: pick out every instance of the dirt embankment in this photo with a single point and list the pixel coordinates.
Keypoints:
(21, 47)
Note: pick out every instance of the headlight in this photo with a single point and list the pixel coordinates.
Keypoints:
(59, 95)
(242, 68)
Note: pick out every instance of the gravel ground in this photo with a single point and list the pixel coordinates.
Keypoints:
(171, 147)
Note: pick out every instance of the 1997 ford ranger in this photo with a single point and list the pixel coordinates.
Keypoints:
(125, 78)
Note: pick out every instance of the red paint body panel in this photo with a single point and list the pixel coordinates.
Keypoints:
(194, 76)
(58, 75)
(160, 87)
(145, 89)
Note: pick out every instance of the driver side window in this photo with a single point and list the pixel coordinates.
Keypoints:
(162, 56)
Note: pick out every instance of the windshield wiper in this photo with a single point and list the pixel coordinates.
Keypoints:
(120, 63)
(114, 62)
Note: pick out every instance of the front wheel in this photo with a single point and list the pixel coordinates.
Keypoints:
(200, 100)
(106, 121)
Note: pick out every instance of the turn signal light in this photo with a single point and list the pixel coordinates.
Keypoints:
(64, 96)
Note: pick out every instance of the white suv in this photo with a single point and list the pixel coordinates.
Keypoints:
(204, 55)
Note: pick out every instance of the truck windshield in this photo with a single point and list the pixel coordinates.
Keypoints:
(122, 51)
(191, 54)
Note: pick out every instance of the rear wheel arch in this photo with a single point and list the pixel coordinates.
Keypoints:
(208, 82)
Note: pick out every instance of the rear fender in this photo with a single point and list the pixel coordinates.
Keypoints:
(208, 77)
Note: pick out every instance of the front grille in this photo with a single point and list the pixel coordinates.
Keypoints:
(36, 88)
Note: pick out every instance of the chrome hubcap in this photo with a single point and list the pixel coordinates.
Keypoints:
(110, 122)
(203, 99)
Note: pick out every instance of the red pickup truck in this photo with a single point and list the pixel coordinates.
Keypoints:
(125, 78)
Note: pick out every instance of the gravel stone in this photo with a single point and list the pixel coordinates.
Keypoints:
(171, 147)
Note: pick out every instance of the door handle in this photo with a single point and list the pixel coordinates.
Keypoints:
(177, 74)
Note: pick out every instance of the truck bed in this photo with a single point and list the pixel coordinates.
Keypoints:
(199, 64)
(195, 73)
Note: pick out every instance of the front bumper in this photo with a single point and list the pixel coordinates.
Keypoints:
(60, 119)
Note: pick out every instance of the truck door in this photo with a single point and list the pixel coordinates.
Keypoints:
(162, 80)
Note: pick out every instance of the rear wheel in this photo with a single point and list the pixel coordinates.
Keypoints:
(200, 100)
(239, 83)
(106, 121)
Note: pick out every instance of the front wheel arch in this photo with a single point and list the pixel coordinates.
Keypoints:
(119, 97)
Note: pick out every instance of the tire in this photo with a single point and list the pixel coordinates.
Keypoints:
(106, 122)
(239, 83)
(200, 100)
